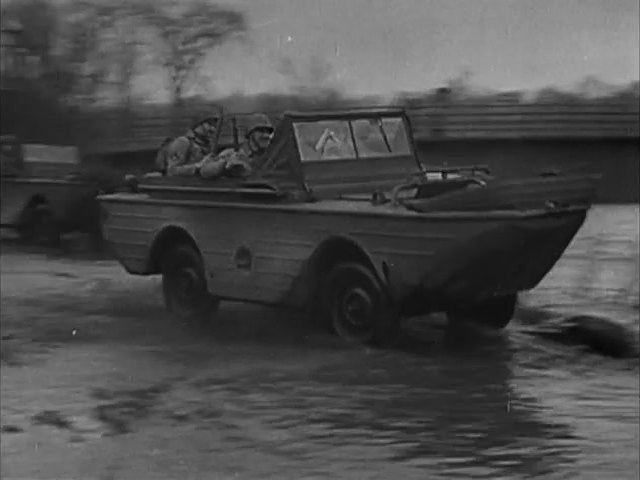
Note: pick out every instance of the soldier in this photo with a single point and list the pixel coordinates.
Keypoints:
(244, 159)
(182, 155)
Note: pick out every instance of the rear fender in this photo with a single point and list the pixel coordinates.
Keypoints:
(166, 237)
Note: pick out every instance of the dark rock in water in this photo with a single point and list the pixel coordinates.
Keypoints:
(602, 335)
(11, 429)
(52, 418)
(599, 334)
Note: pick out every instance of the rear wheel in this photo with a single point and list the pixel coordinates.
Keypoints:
(184, 285)
(495, 313)
(40, 227)
(355, 306)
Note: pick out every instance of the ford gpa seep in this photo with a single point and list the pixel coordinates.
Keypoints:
(342, 219)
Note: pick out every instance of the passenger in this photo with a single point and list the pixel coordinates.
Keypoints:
(245, 159)
(182, 155)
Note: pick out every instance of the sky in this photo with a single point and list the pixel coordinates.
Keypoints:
(384, 46)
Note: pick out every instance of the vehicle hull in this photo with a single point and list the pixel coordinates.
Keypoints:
(422, 258)
(500, 258)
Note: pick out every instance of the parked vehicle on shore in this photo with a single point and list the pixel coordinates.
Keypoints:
(342, 219)
(44, 192)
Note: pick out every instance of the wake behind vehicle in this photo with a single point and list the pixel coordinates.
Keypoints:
(342, 219)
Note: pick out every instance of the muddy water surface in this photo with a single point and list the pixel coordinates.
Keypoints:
(97, 382)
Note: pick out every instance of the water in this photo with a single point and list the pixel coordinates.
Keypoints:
(599, 271)
(259, 397)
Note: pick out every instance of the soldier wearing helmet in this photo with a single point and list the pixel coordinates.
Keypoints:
(244, 159)
(183, 154)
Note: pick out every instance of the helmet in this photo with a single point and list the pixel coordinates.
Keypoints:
(201, 121)
(258, 120)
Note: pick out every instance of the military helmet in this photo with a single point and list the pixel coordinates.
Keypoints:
(212, 120)
(258, 121)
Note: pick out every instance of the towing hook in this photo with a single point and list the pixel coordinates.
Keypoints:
(378, 198)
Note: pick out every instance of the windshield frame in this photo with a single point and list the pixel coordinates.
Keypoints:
(347, 122)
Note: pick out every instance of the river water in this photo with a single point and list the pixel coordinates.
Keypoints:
(256, 398)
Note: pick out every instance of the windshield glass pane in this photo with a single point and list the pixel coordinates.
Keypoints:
(324, 140)
(378, 137)
(371, 139)
(394, 128)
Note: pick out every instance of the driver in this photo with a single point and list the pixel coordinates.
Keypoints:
(244, 159)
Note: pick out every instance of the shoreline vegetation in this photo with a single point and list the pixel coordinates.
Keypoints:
(70, 71)
(64, 62)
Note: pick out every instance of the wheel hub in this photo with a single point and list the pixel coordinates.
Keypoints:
(186, 283)
(357, 307)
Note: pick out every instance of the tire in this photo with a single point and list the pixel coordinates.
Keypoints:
(41, 228)
(355, 306)
(184, 285)
(495, 313)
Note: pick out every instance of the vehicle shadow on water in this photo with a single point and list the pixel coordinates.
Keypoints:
(441, 398)
(257, 378)
(455, 404)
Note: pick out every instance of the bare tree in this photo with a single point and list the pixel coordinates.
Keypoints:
(38, 21)
(64, 41)
(309, 77)
(593, 87)
(80, 46)
(185, 37)
(123, 45)
(103, 44)
(460, 86)
(86, 45)
(313, 82)
(126, 54)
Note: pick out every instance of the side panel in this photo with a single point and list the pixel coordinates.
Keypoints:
(278, 243)
(409, 247)
(130, 229)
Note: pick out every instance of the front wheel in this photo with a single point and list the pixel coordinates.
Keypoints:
(184, 285)
(356, 307)
(495, 313)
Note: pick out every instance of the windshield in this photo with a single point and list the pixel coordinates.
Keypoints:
(334, 139)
